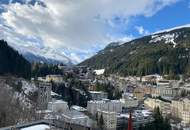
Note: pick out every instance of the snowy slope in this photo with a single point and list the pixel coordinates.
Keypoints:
(41, 54)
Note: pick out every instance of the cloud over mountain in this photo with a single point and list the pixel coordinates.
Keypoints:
(80, 27)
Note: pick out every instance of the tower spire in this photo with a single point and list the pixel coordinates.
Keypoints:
(130, 123)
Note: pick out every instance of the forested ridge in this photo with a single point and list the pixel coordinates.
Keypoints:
(163, 53)
(11, 62)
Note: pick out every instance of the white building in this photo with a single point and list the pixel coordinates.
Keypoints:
(161, 83)
(166, 91)
(58, 106)
(104, 105)
(154, 77)
(109, 119)
(98, 95)
(75, 117)
(128, 100)
(128, 103)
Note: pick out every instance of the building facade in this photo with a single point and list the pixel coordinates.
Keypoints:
(44, 94)
(181, 109)
(54, 78)
(165, 91)
(98, 95)
(164, 106)
(58, 106)
(104, 105)
(109, 119)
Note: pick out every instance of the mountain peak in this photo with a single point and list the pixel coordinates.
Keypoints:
(42, 54)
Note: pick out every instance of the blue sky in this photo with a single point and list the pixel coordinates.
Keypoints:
(174, 15)
(79, 29)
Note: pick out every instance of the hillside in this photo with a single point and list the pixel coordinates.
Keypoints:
(11, 62)
(163, 53)
(18, 98)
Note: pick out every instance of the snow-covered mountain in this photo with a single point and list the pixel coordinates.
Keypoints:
(42, 54)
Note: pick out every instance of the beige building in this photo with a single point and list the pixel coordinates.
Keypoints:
(54, 78)
(181, 109)
(140, 92)
(164, 106)
(109, 119)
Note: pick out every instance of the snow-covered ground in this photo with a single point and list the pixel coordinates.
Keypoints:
(168, 38)
(99, 72)
(28, 87)
(37, 127)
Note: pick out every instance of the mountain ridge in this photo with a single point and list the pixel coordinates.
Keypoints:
(41, 54)
(164, 53)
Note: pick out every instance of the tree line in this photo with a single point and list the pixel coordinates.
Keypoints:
(13, 63)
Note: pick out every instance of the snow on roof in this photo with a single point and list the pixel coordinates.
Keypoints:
(54, 94)
(96, 92)
(58, 101)
(73, 114)
(37, 127)
(78, 108)
(104, 101)
(99, 72)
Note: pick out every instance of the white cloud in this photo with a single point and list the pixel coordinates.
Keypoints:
(78, 25)
(141, 30)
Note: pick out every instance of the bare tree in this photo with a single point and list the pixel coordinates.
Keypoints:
(11, 110)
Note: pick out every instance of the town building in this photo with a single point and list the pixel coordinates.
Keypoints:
(54, 78)
(98, 95)
(181, 109)
(58, 106)
(164, 105)
(141, 92)
(151, 78)
(109, 119)
(104, 105)
(166, 91)
(44, 94)
(139, 117)
(129, 101)
(75, 117)
(163, 83)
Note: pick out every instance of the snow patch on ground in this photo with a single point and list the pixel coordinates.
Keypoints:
(24, 101)
(28, 87)
(99, 72)
(37, 127)
(168, 38)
